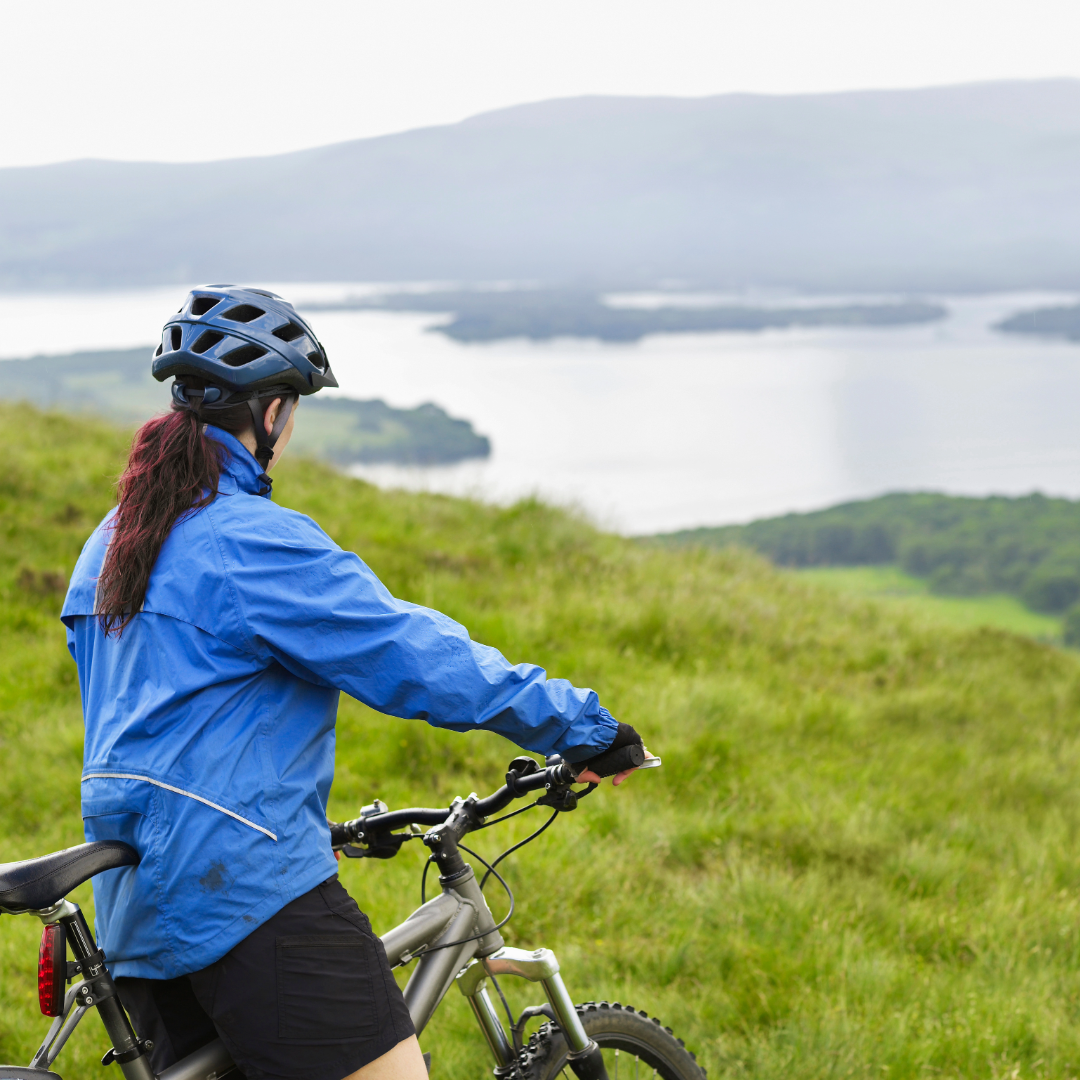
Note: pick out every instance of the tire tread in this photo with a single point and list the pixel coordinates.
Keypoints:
(546, 1039)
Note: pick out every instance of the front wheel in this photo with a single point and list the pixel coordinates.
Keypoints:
(635, 1046)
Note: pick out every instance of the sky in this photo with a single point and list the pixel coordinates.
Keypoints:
(158, 80)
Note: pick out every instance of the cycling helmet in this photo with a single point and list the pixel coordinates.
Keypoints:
(243, 344)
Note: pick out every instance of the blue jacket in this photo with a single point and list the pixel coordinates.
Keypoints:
(210, 720)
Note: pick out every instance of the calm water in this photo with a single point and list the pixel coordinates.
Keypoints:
(682, 430)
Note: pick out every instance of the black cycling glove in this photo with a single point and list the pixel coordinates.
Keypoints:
(625, 752)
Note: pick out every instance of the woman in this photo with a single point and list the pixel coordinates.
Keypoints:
(213, 632)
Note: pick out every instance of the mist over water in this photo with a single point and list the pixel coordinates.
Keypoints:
(681, 430)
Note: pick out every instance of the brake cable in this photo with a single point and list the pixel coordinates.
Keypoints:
(491, 871)
(474, 937)
(511, 850)
(507, 817)
(487, 825)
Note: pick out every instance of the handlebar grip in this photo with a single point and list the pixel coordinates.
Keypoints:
(616, 761)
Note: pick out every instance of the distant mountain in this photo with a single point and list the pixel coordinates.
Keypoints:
(965, 187)
(117, 384)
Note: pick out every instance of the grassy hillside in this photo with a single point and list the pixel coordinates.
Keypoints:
(858, 860)
(118, 384)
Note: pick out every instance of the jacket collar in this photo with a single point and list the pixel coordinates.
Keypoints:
(240, 466)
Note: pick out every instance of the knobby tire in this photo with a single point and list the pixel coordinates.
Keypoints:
(613, 1027)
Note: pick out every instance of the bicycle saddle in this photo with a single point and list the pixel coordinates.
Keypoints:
(34, 884)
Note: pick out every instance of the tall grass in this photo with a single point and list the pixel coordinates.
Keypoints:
(859, 858)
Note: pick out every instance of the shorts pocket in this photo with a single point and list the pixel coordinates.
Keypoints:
(329, 987)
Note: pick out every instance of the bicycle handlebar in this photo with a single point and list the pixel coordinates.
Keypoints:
(559, 775)
(631, 756)
(519, 783)
(348, 831)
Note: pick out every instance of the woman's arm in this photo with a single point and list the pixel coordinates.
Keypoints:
(323, 614)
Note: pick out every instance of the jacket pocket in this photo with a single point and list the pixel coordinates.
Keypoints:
(329, 987)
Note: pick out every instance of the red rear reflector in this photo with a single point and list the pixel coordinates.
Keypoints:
(52, 969)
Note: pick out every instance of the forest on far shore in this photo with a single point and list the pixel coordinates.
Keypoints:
(1027, 547)
(117, 384)
(480, 315)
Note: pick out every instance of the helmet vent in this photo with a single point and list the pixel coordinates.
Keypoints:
(289, 332)
(244, 355)
(317, 359)
(157, 352)
(243, 313)
(207, 340)
(202, 304)
(177, 337)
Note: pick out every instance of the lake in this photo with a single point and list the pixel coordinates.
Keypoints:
(680, 430)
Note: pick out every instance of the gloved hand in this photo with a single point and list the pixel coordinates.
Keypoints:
(625, 754)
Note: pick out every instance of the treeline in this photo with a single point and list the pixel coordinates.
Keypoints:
(1028, 547)
(117, 384)
(1058, 322)
(542, 314)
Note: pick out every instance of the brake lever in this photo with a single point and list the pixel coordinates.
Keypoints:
(564, 798)
(519, 768)
(381, 846)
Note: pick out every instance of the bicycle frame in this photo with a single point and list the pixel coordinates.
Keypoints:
(459, 911)
(453, 936)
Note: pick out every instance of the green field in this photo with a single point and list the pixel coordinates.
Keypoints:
(895, 588)
(1025, 546)
(859, 859)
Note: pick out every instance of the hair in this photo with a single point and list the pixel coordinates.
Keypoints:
(172, 470)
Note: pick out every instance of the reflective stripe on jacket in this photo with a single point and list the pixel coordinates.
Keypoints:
(210, 720)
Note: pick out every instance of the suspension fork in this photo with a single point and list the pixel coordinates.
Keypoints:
(98, 989)
(541, 966)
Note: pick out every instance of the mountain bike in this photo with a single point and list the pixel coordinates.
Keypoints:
(453, 939)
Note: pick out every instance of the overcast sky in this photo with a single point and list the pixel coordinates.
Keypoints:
(166, 81)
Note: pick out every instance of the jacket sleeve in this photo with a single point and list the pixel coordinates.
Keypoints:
(322, 614)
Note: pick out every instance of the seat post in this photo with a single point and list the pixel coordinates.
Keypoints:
(99, 990)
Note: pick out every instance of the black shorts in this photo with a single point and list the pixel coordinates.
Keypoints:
(307, 996)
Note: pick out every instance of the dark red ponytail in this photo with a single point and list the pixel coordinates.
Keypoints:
(173, 469)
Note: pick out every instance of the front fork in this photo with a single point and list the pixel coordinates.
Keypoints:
(585, 1059)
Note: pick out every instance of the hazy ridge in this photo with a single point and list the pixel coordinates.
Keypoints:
(951, 188)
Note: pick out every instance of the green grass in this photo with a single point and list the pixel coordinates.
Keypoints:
(891, 585)
(860, 856)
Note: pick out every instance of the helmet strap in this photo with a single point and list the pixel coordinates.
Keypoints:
(193, 399)
(265, 443)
